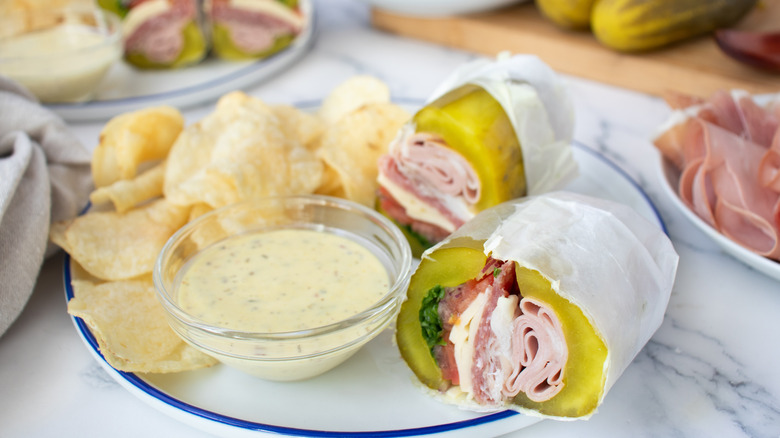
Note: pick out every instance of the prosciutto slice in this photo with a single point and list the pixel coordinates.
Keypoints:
(728, 151)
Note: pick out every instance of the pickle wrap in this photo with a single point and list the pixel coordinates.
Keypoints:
(602, 271)
(494, 130)
(252, 29)
(160, 34)
(539, 107)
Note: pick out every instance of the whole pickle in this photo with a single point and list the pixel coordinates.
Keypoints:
(638, 25)
(568, 14)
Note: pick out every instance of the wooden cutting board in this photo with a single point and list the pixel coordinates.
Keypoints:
(695, 66)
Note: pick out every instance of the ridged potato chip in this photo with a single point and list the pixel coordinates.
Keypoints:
(352, 146)
(126, 194)
(351, 95)
(120, 246)
(238, 152)
(130, 139)
(131, 328)
(300, 126)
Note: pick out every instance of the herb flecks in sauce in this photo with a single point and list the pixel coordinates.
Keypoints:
(282, 280)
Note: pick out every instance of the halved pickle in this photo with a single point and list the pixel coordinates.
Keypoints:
(583, 375)
(226, 49)
(194, 50)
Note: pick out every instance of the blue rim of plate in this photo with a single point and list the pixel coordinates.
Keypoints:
(199, 87)
(226, 420)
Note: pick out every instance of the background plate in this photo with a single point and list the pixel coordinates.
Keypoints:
(128, 89)
(669, 178)
(372, 394)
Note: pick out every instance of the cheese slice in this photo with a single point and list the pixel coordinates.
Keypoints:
(272, 8)
(415, 208)
(462, 336)
(142, 13)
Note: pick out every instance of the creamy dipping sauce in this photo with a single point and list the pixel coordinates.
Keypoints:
(36, 60)
(281, 280)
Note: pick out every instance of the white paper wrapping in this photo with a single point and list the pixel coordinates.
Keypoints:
(538, 105)
(605, 258)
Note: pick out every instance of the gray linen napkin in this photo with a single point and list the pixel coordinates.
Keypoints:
(44, 177)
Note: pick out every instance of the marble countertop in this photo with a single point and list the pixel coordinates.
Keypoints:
(710, 370)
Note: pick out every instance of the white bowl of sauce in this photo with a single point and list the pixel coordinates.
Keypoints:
(284, 288)
(60, 55)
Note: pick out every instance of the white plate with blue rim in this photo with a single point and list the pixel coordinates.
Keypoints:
(128, 89)
(372, 394)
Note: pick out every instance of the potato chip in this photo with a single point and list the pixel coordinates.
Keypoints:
(126, 194)
(353, 145)
(198, 210)
(331, 183)
(238, 152)
(298, 125)
(120, 246)
(131, 328)
(351, 95)
(130, 139)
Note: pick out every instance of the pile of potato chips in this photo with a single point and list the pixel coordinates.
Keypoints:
(153, 174)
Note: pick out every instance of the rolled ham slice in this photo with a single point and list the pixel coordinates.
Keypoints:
(539, 353)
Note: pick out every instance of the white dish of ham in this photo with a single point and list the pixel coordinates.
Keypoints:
(719, 166)
(373, 393)
(127, 89)
(670, 178)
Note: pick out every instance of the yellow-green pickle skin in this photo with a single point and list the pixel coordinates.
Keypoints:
(584, 372)
(224, 48)
(474, 124)
(194, 50)
(446, 267)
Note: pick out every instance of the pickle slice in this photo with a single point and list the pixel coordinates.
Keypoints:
(225, 49)
(584, 374)
(474, 124)
(193, 51)
(446, 267)
(114, 6)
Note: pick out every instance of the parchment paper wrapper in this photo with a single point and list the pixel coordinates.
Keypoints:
(537, 102)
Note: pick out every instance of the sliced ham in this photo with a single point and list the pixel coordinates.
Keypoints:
(160, 37)
(539, 353)
(514, 344)
(252, 31)
(423, 168)
(728, 151)
(426, 161)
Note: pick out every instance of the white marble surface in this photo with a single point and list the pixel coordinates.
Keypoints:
(710, 370)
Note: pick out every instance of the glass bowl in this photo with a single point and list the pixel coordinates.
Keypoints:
(284, 355)
(60, 55)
